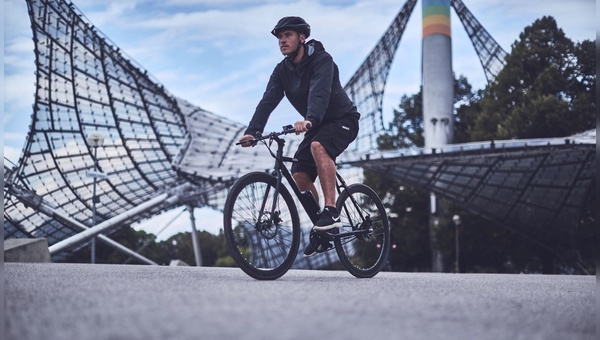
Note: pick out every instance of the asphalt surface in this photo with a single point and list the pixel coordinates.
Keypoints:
(83, 301)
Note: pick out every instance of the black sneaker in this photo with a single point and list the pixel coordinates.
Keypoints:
(328, 219)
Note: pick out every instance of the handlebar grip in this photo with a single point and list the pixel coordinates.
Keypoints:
(308, 126)
(249, 142)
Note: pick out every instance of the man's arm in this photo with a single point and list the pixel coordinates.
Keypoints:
(319, 92)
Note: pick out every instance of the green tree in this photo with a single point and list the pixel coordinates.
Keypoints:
(177, 247)
(406, 128)
(181, 247)
(546, 88)
(466, 109)
(136, 240)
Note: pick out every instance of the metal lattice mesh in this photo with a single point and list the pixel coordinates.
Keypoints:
(367, 85)
(210, 152)
(86, 85)
(538, 187)
(490, 53)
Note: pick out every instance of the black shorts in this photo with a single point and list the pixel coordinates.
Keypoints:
(335, 136)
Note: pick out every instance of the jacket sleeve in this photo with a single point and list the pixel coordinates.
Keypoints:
(271, 98)
(321, 79)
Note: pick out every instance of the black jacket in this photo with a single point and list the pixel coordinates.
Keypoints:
(313, 88)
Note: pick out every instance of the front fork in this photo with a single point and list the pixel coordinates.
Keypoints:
(272, 216)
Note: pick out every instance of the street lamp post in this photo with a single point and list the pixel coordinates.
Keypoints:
(95, 139)
(456, 220)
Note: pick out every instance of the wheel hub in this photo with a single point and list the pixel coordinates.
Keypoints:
(268, 224)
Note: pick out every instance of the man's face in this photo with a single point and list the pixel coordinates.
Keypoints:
(288, 41)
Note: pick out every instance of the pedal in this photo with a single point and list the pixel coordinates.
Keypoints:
(321, 240)
(326, 247)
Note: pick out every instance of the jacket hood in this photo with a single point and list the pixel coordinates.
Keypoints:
(311, 49)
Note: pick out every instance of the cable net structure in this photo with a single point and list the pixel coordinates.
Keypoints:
(490, 53)
(366, 87)
(157, 145)
(153, 142)
(541, 188)
(85, 85)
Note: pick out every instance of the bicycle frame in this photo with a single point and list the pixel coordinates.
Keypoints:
(361, 242)
(281, 171)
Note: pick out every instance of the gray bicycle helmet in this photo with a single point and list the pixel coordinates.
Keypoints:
(292, 23)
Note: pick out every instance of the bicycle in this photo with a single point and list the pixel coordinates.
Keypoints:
(262, 226)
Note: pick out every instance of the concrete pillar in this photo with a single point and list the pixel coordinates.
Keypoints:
(438, 89)
(195, 237)
(438, 96)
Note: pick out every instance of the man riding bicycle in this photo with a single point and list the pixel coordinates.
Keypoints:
(309, 78)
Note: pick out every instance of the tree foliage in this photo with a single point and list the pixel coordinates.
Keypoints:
(546, 89)
(177, 247)
(406, 128)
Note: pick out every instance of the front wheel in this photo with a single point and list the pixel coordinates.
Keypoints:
(364, 243)
(262, 228)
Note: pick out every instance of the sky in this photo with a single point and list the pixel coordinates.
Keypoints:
(219, 54)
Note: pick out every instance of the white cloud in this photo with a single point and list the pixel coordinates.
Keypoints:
(12, 154)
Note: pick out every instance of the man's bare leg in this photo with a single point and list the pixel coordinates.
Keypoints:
(326, 172)
(304, 182)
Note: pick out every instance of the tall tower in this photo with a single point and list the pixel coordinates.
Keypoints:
(438, 96)
(437, 73)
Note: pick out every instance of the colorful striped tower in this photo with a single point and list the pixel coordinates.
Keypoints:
(438, 93)
(437, 73)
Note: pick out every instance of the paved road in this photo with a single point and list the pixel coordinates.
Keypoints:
(82, 301)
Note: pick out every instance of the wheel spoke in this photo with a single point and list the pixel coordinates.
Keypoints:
(262, 242)
(363, 254)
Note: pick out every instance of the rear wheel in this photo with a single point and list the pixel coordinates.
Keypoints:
(364, 250)
(263, 241)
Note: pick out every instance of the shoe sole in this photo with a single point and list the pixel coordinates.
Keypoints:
(328, 227)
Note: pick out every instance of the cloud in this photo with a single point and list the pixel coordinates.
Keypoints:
(11, 153)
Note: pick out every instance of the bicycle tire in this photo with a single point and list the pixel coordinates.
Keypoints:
(362, 255)
(263, 250)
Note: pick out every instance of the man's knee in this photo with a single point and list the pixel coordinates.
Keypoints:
(316, 147)
(319, 153)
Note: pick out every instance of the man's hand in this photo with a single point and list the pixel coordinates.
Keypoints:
(245, 141)
(302, 126)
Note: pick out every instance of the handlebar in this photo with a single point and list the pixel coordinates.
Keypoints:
(286, 130)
